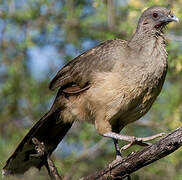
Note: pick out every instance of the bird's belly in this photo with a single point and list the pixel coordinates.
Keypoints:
(140, 108)
(137, 102)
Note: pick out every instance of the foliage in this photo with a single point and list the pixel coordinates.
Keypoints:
(37, 37)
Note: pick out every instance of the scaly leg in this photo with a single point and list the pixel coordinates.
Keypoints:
(118, 153)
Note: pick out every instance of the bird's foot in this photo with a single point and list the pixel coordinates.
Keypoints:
(141, 141)
(132, 139)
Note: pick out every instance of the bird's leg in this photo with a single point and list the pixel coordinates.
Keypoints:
(132, 139)
(118, 153)
(118, 156)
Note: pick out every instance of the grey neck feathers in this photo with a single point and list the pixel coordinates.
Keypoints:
(149, 46)
(146, 39)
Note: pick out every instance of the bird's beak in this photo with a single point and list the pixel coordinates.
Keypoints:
(171, 18)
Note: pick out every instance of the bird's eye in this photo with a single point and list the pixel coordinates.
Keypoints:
(155, 15)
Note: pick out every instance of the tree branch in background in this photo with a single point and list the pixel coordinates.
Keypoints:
(41, 152)
(89, 153)
(137, 160)
(111, 15)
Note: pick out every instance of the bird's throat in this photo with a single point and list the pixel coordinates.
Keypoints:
(148, 42)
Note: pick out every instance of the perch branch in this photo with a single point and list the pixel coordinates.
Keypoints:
(137, 160)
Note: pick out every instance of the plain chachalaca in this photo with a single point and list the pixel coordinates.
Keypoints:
(110, 85)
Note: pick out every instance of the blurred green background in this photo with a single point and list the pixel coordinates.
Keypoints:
(37, 37)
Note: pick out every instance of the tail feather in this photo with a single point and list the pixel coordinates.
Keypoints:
(46, 130)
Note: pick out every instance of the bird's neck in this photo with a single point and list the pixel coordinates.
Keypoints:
(150, 50)
(147, 41)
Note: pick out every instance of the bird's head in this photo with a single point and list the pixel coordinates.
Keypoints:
(155, 19)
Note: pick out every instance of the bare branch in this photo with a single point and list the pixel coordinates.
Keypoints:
(137, 160)
(41, 152)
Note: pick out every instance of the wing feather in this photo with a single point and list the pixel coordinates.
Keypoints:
(79, 71)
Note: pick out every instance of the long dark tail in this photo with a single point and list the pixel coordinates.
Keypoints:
(46, 130)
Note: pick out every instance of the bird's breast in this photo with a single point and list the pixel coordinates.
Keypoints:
(145, 85)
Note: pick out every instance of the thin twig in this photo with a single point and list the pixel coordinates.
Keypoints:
(41, 152)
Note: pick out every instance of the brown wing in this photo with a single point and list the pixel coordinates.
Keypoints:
(75, 76)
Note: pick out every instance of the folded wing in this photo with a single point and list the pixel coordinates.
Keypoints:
(75, 76)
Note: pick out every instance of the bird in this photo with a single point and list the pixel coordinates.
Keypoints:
(110, 86)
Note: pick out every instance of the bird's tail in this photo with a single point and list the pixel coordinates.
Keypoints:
(46, 130)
